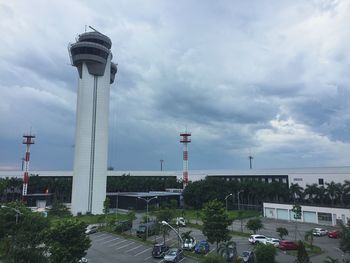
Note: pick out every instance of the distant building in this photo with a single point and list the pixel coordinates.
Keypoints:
(309, 214)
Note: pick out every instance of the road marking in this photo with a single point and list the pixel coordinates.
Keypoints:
(147, 258)
(125, 245)
(210, 252)
(182, 259)
(161, 260)
(118, 243)
(131, 249)
(100, 239)
(109, 241)
(98, 235)
(142, 252)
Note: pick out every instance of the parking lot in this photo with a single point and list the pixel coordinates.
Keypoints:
(106, 248)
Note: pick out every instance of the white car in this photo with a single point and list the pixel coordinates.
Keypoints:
(189, 244)
(273, 241)
(91, 229)
(180, 221)
(319, 232)
(255, 239)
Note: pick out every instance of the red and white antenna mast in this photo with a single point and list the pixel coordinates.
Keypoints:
(27, 140)
(185, 139)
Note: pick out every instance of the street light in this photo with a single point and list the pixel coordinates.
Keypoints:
(238, 199)
(147, 202)
(177, 232)
(14, 209)
(226, 199)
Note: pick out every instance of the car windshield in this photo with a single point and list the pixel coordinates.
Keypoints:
(142, 228)
(157, 248)
(245, 254)
(172, 252)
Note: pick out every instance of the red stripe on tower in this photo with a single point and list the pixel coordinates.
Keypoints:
(28, 140)
(185, 138)
(185, 155)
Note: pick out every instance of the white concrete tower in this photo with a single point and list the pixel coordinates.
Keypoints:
(92, 56)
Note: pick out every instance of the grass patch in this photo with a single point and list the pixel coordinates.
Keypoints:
(239, 233)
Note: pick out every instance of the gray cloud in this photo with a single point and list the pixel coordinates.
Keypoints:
(266, 77)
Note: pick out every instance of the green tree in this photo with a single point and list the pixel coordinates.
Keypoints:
(254, 224)
(58, 209)
(265, 253)
(302, 256)
(106, 205)
(67, 241)
(297, 216)
(345, 238)
(309, 237)
(215, 222)
(282, 232)
(228, 250)
(164, 214)
(22, 234)
(213, 258)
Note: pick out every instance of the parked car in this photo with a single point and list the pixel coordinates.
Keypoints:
(334, 234)
(91, 229)
(273, 241)
(189, 244)
(255, 239)
(319, 232)
(159, 250)
(202, 247)
(141, 231)
(174, 255)
(248, 257)
(288, 245)
(180, 221)
(122, 226)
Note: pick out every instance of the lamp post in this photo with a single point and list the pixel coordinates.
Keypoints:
(147, 202)
(238, 199)
(226, 199)
(14, 209)
(177, 232)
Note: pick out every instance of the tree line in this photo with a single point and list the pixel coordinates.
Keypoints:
(61, 187)
(253, 193)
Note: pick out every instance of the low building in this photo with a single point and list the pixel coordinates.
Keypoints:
(309, 214)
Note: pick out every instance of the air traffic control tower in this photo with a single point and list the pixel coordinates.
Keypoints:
(91, 55)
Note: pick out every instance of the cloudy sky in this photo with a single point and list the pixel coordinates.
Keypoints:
(270, 78)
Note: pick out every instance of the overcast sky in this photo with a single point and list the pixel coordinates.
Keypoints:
(266, 78)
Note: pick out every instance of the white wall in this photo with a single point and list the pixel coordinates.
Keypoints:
(270, 211)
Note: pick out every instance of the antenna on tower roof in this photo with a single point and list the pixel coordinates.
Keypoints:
(94, 29)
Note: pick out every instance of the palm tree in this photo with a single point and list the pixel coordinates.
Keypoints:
(333, 190)
(295, 191)
(309, 237)
(321, 193)
(311, 192)
(228, 249)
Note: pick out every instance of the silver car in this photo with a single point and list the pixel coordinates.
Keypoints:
(174, 255)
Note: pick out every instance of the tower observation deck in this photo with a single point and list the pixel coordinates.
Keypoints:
(91, 55)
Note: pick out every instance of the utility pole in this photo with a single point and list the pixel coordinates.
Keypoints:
(250, 161)
(161, 165)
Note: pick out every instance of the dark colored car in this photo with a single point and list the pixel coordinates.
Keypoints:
(248, 257)
(159, 250)
(174, 255)
(202, 247)
(122, 226)
(288, 245)
(334, 234)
